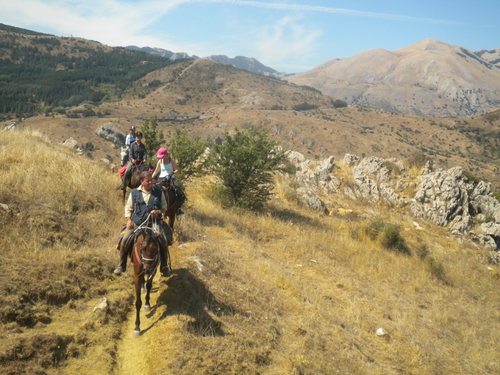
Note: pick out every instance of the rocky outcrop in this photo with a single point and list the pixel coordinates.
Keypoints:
(314, 179)
(443, 197)
(110, 134)
(372, 180)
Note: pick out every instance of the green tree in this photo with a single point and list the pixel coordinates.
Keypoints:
(188, 152)
(153, 138)
(244, 164)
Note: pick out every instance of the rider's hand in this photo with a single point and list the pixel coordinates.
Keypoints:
(155, 212)
(130, 224)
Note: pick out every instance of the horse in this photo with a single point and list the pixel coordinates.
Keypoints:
(173, 201)
(133, 180)
(145, 258)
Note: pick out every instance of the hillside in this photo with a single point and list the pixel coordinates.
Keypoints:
(283, 291)
(428, 78)
(42, 73)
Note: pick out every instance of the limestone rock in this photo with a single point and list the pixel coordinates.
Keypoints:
(70, 143)
(311, 200)
(108, 132)
(350, 160)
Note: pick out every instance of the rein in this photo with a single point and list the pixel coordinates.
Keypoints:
(155, 228)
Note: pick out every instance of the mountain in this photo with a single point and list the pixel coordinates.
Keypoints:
(429, 78)
(246, 63)
(491, 56)
(241, 62)
(163, 53)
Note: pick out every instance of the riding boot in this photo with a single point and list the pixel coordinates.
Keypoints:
(164, 266)
(122, 266)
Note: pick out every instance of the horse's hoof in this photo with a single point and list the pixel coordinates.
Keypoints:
(147, 308)
(136, 333)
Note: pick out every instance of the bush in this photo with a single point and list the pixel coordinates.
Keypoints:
(373, 229)
(391, 239)
(422, 251)
(337, 103)
(188, 151)
(152, 138)
(471, 178)
(304, 107)
(437, 270)
(244, 164)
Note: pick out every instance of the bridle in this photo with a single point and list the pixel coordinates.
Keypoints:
(155, 231)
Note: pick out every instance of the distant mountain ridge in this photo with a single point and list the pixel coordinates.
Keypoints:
(163, 53)
(249, 64)
(492, 56)
(428, 78)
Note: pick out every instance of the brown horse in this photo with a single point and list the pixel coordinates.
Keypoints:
(132, 181)
(145, 258)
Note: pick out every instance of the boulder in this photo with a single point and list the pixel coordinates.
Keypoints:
(311, 200)
(110, 134)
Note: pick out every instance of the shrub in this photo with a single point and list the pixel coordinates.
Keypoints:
(244, 164)
(470, 177)
(437, 270)
(153, 138)
(304, 107)
(188, 151)
(337, 103)
(391, 239)
(422, 251)
(373, 229)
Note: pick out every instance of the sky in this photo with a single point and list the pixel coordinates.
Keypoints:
(286, 35)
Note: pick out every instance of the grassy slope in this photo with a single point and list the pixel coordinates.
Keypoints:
(286, 291)
(57, 254)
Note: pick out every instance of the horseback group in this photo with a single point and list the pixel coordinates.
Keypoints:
(154, 196)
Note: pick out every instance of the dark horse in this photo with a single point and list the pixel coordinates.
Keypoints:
(145, 258)
(132, 180)
(173, 201)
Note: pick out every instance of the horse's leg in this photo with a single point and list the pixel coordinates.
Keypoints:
(138, 303)
(149, 284)
(124, 193)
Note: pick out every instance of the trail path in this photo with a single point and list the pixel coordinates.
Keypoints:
(181, 73)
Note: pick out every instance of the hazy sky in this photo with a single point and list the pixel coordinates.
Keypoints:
(287, 35)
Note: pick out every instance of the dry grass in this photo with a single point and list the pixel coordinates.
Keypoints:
(57, 254)
(285, 291)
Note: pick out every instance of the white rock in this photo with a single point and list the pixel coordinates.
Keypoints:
(101, 305)
(198, 263)
(380, 332)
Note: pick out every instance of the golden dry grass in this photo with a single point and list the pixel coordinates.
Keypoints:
(284, 291)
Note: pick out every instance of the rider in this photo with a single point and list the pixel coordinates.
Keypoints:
(137, 155)
(166, 167)
(144, 201)
(129, 139)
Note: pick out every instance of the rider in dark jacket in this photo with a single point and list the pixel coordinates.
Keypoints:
(137, 155)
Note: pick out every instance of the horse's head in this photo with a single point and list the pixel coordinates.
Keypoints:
(149, 250)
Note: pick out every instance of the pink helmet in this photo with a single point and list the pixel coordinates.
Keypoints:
(161, 153)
